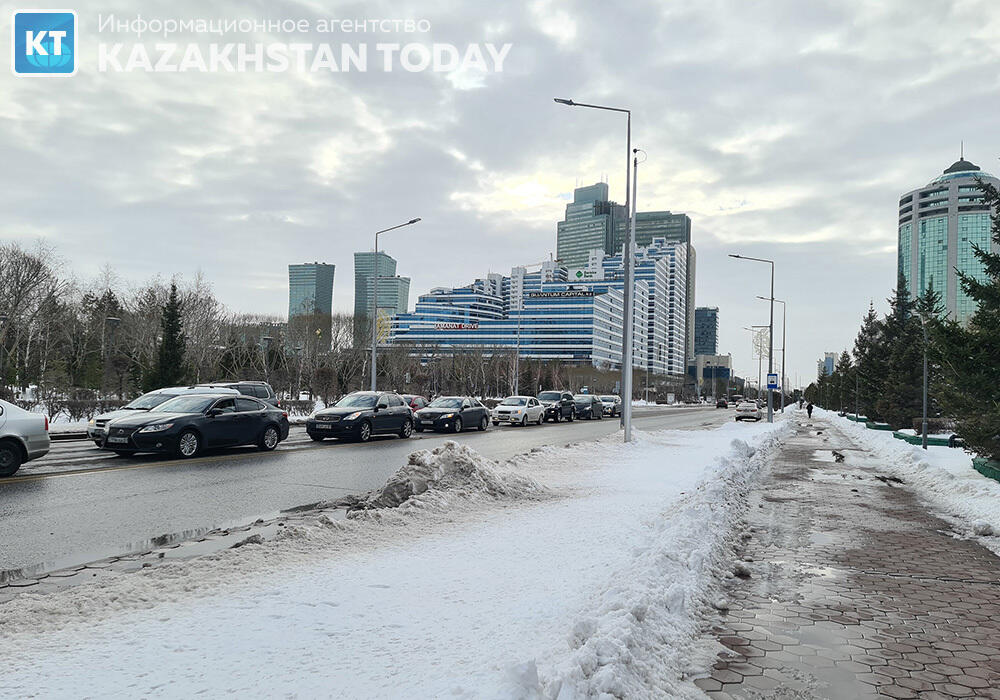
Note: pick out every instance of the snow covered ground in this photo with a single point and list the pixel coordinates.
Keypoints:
(565, 573)
(942, 476)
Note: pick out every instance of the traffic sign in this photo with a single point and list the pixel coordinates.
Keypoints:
(772, 381)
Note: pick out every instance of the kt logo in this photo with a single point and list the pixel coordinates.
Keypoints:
(44, 42)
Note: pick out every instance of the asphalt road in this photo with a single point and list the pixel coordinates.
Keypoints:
(78, 504)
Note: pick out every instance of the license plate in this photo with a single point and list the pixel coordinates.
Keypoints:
(427, 422)
(118, 440)
(324, 426)
(503, 418)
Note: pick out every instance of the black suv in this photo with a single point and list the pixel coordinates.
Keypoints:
(558, 405)
(362, 414)
(260, 390)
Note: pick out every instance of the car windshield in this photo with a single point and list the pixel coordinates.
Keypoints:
(446, 402)
(550, 396)
(148, 401)
(357, 401)
(608, 398)
(514, 401)
(583, 398)
(187, 404)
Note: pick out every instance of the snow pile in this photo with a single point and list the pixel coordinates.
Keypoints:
(942, 476)
(638, 638)
(453, 468)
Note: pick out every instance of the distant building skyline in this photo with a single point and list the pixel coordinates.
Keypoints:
(590, 223)
(310, 289)
(393, 290)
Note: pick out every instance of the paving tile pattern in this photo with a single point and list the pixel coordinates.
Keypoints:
(855, 590)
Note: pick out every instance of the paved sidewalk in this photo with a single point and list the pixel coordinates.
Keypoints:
(855, 590)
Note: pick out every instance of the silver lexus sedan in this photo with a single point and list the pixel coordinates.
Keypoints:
(23, 436)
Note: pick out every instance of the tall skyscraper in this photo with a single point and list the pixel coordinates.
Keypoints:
(590, 224)
(673, 228)
(825, 366)
(706, 330)
(310, 289)
(939, 224)
(393, 291)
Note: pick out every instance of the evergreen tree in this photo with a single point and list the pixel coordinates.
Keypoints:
(902, 395)
(969, 383)
(170, 370)
(843, 374)
(870, 363)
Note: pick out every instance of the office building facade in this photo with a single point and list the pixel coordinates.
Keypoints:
(939, 224)
(824, 367)
(706, 330)
(310, 289)
(393, 290)
(590, 223)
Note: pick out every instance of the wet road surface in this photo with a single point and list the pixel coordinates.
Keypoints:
(855, 590)
(79, 504)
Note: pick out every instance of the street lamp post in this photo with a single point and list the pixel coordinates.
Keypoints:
(923, 424)
(626, 381)
(374, 319)
(783, 318)
(265, 346)
(770, 342)
(3, 350)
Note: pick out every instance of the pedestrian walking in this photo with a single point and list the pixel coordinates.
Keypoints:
(809, 409)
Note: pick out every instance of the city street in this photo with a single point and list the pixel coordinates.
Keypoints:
(78, 504)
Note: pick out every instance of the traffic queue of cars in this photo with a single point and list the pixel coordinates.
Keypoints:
(186, 421)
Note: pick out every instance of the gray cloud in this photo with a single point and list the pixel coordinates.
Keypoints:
(785, 129)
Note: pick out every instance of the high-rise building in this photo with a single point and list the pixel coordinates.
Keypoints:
(672, 228)
(939, 224)
(393, 290)
(310, 289)
(590, 224)
(825, 366)
(706, 330)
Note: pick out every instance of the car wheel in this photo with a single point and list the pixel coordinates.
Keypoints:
(188, 444)
(407, 429)
(457, 427)
(541, 419)
(484, 423)
(269, 439)
(524, 420)
(571, 417)
(10, 457)
(364, 432)
(317, 438)
(557, 416)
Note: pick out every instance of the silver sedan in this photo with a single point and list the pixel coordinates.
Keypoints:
(23, 436)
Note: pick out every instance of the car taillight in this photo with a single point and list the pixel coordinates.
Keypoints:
(284, 414)
(46, 424)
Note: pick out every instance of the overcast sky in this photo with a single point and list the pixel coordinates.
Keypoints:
(784, 129)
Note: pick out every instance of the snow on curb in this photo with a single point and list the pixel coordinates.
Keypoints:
(942, 477)
(641, 636)
(443, 484)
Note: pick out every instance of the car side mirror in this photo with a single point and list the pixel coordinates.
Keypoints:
(381, 406)
(213, 412)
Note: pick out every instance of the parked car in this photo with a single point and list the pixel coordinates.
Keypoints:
(452, 414)
(519, 410)
(588, 406)
(722, 403)
(189, 424)
(362, 414)
(24, 436)
(748, 410)
(558, 405)
(415, 401)
(260, 390)
(147, 402)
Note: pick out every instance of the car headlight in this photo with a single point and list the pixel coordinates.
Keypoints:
(158, 428)
(354, 416)
(448, 415)
(91, 422)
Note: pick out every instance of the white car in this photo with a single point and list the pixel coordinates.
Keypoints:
(519, 410)
(23, 436)
(748, 410)
(612, 405)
